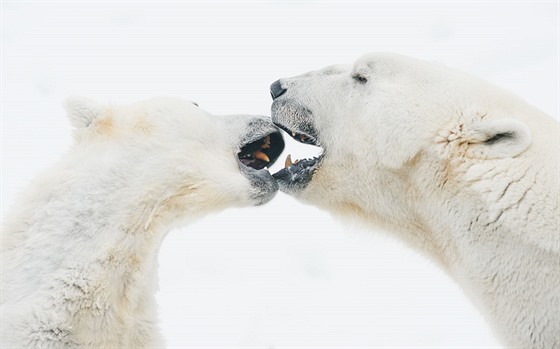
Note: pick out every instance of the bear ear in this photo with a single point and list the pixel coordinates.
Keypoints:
(82, 111)
(496, 139)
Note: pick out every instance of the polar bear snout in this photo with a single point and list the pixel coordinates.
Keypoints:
(276, 89)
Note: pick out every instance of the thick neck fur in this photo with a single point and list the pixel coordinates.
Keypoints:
(470, 218)
(102, 262)
(489, 252)
(474, 232)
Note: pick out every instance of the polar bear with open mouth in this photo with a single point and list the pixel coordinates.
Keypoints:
(79, 249)
(454, 166)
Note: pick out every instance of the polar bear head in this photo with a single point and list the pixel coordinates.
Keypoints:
(166, 158)
(444, 161)
(382, 119)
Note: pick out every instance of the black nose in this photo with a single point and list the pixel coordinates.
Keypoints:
(276, 89)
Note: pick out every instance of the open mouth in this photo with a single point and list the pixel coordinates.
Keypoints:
(263, 152)
(300, 137)
(296, 174)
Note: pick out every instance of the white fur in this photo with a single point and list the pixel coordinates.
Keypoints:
(79, 249)
(411, 150)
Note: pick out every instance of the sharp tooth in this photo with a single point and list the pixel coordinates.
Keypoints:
(266, 143)
(261, 156)
(293, 134)
(288, 161)
(302, 138)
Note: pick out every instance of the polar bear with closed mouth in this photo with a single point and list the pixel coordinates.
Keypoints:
(454, 166)
(79, 249)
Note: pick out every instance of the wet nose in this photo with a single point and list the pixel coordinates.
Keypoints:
(276, 89)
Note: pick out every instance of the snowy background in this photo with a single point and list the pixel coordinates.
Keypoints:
(284, 275)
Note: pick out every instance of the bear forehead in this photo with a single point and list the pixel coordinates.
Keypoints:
(162, 107)
(390, 64)
(376, 59)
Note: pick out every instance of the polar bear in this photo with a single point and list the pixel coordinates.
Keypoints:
(454, 166)
(79, 250)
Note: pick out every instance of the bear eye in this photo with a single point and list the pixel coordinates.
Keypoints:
(359, 78)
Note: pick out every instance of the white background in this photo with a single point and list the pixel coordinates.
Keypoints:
(283, 275)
